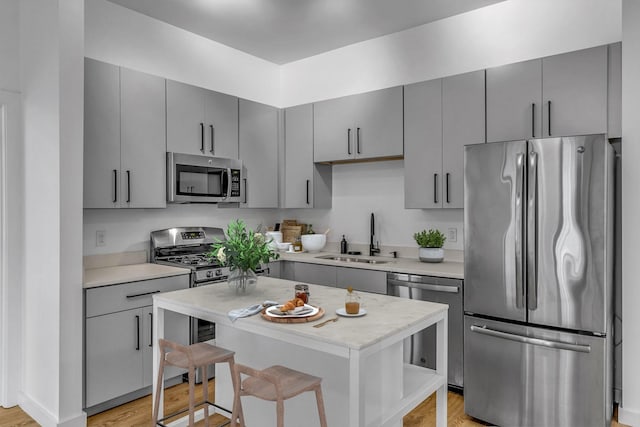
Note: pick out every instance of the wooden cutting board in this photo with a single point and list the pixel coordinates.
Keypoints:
(316, 316)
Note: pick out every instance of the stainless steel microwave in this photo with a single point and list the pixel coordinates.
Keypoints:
(203, 179)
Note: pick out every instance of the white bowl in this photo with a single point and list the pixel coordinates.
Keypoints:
(276, 236)
(283, 246)
(313, 242)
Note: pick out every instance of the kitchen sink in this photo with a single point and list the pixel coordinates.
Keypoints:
(352, 259)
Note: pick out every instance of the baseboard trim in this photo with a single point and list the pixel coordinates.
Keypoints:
(628, 417)
(45, 418)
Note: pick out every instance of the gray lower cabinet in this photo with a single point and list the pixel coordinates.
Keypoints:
(358, 278)
(119, 340)
(201, 121)
(317, 274)
(258, 150)
(124, 138)
(359, 127)
(362, 280)
(306, 184)
(554, 96)
(441, 117)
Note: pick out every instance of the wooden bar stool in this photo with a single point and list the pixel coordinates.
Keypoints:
(275, 383)
(192, 357)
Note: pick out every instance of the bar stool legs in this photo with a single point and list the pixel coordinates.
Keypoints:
(276, 383)
(193, 357)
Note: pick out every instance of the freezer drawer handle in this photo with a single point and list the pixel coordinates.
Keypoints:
(425, 287)
(528, 340)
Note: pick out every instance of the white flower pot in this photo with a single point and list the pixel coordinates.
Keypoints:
(431, 254)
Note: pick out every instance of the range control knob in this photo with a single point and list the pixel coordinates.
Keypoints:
(209, 273)
(218, 272)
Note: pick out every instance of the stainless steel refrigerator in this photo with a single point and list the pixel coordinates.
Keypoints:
(538, 226)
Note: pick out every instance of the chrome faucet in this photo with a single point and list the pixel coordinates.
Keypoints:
(373, 249)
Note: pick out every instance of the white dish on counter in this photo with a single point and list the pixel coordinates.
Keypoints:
(342, 312)
(306, 307)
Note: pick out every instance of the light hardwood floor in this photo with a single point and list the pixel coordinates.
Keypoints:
(138, 413)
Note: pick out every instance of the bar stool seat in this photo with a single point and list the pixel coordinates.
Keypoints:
(191, 357)
(275, 383)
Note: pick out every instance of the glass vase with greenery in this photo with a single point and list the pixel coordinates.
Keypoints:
(243, 251)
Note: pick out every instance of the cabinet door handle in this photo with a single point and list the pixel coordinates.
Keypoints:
(435, 188)
(137, 332)
(533, 120)
(213, 138)
(150, 329)
(349, 141)
(307, 191)
(115, 185)
(142, 294)
(128, 186)
(549, 111)
(358, 140)
(202, 137)
(447, 186)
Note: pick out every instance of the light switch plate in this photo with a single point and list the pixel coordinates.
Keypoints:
(452, 235)
(100, 238)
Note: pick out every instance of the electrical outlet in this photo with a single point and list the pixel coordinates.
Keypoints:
(100, 238)
(453, 235)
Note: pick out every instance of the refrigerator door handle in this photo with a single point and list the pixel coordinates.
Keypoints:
(532, 232)
(529, 340)
(519, 208)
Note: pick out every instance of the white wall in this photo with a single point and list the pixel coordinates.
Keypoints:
(365, 188)
(128, 229)
(502, 33)
(629, 413)
(52, 74)
(123, 37)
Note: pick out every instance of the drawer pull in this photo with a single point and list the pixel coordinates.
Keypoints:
(143, 295)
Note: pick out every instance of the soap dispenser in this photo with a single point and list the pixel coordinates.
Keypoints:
(343, 245)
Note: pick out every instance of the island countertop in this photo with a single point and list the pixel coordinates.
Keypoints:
(386, 316)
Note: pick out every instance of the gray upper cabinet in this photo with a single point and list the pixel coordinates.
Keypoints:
(364, 126)
(306, 185)
(514, 101)
(101, 135)
(201, 121)
(463, 123)
(143, 146)
(124, 138)
(258, 150)
(614, 118)
(441, 117)
(423, 144)
(554, 96)
(574, 93)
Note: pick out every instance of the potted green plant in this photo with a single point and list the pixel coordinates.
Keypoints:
(430, 243)
(243, 251)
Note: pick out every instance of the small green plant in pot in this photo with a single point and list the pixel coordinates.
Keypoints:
(430, 243)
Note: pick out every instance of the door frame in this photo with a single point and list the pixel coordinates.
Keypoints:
(11, 200)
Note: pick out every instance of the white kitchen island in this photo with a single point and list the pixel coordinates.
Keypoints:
(365, 381)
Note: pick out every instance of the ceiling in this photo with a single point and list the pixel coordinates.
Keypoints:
(282, 31)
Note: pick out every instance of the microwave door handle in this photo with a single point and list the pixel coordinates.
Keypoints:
(228, 189)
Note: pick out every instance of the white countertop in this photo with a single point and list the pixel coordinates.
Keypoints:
(386, 316)
(450, 269)
(102, 276)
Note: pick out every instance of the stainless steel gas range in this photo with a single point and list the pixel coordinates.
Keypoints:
(187, 247)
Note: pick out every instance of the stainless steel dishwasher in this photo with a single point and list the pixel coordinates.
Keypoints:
(420, 349)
